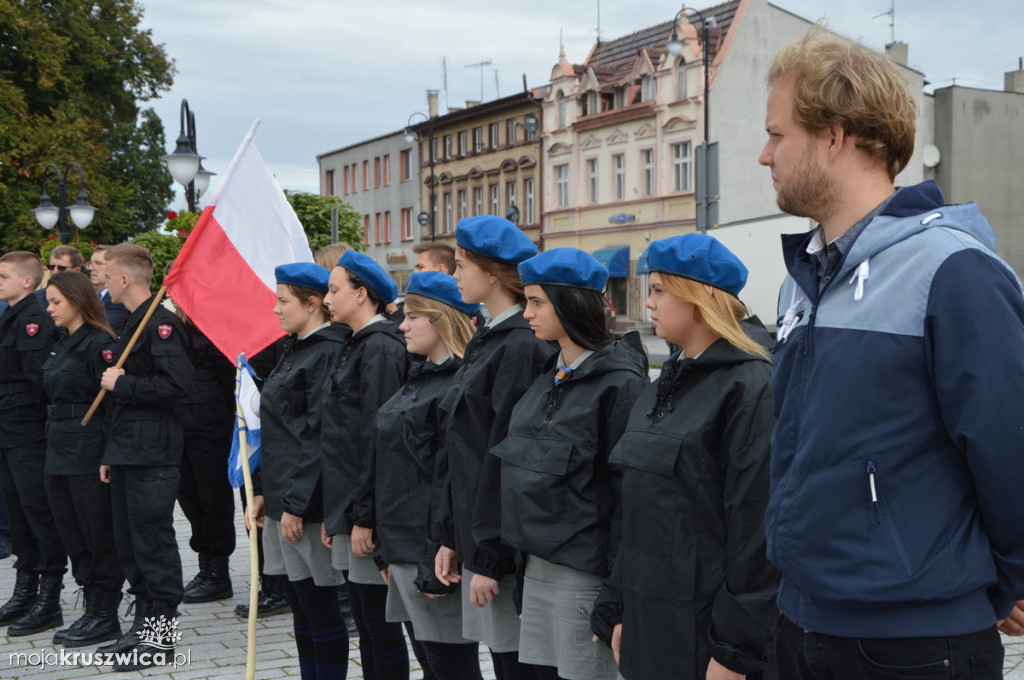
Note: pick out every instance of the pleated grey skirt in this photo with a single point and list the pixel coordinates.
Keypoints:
(434, 620)
(496, 624)
(307, 558)
(555, 629)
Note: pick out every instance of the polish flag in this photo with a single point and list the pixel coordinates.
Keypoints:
(223, 277)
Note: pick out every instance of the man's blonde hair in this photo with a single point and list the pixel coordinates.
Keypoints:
(133, 260)
(26, 264)
(838, 81)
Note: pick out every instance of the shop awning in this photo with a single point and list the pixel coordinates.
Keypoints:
(615, 259)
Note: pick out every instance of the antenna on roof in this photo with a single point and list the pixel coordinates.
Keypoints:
(444, 80)
(892, 19)
(480, 65)
(598, 20)
(497, 91)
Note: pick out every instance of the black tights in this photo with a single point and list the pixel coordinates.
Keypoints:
(446, 661)
(320, 632)
(508, 667)
(382, 647)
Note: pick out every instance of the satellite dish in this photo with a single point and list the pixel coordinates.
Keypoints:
(930, 155)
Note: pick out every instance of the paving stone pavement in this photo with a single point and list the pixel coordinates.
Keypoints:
(213, 638)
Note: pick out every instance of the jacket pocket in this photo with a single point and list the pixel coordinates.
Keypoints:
(535, 493)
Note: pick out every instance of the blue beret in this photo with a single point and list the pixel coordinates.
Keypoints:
(494, 237)
(305, 274)
(564, 267)
(696, 256)
(441, 287)
(372, 274)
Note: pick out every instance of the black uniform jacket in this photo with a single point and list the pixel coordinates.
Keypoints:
(145, 428)
(209, 408)
(409, 435)
(500, 364)
(368, 370)
(71, 376)
(559, 497)
(691, 576)
(26, 335)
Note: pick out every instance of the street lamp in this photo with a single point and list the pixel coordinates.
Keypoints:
(410, 137)
(50, 216)
(185, 164)
(707, 153)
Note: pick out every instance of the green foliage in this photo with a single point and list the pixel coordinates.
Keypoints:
(72, 73)
(314, 212)
(183, 221)
(84, 247)
(163, 248)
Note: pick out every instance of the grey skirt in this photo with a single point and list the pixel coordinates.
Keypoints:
(360, 569)
(496, 624)
(307, 558)
(434, 620)
(341, 550)
(555, 630)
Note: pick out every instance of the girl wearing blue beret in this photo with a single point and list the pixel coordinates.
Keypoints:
(501, 361)
(437, 327)
(692, 593)
(289, 506)
(369, 368)
(559, 496)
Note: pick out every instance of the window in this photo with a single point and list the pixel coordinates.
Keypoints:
(647, 156)
(462, 143)
(478, 200)
(493, 135)
(406, 224)
(387, 227)
(376, 172)
(619, 162)
(511, 128)
(447, 146)
(366, 229)
(495, 200)
(329, 182)
(433, 150)
(353, 190)
(366, 172)
(682, 165)
(376, 229)
(530, 135)
(447, 212)
(385, 169)
(510, 193)
(345, 184)
(478, 139)
(649, 88)
(530, 205)
(560, 100)
(405, 160)
(562, 185)
(593, 103)
(681, 92)
(592, 177)
(620, 97)
(462, 203)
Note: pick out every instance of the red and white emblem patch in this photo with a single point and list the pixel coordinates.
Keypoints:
(32, 328)
(108, 355)
(164, 330)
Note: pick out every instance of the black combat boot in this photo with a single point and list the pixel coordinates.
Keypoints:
(213, 582)
(270, 600)
(58, 637)
(156, 642)
(100, 622)
(45, 613)
(143, 607)
(26, 589)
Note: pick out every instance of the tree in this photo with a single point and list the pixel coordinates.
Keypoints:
(72, 73)
(314, 212)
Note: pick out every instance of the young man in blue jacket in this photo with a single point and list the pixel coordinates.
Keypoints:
(898, 388)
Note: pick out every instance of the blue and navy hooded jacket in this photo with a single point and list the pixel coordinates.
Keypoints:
(898, 451)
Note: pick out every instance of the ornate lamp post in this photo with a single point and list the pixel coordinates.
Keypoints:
(50, 216)
(185, 164)
(411, 136)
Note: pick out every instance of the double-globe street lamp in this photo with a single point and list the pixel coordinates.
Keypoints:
(185, 164)
(410, 136)
(49, 216)
(707, 153)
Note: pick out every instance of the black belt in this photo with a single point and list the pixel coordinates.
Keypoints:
(65, 411)
(14, 388)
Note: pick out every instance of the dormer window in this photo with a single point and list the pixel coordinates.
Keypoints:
(649, 88)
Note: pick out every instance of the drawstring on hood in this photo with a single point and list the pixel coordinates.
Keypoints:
(860, 276)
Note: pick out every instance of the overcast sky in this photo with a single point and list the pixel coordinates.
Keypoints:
(323, 74)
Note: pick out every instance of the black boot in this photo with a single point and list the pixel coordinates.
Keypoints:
(270, 600)
(156, 642)
(45, 613)
(26, 589)
(100, 622)
(143, 607)
(213, 582)
(58, 637)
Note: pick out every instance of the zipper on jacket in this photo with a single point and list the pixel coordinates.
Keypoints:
(874, 492)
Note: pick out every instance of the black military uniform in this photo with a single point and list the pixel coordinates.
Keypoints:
(205, 496)
(144, 449)
(26, 335)
(71, 376)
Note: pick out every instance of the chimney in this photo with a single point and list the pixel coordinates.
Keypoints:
(470, 103)
(1013, 81)
(432, 103)
(898, 52)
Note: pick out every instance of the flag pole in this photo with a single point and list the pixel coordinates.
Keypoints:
(127, 350)
(254, 558)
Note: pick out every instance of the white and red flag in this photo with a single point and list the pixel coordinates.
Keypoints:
(223, 277)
